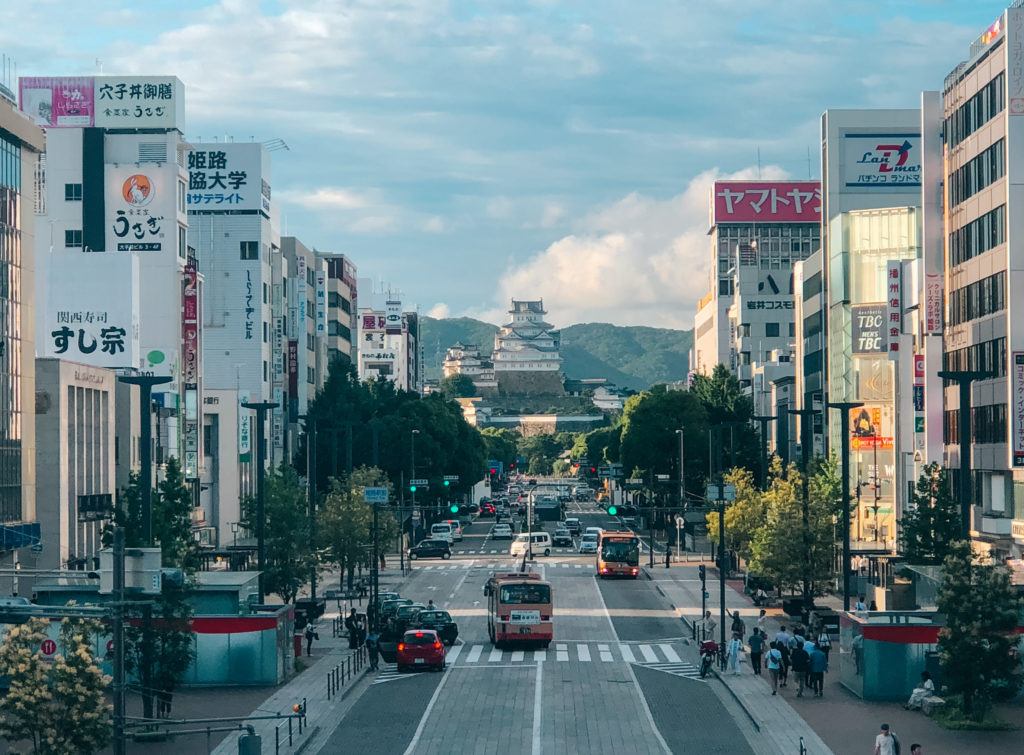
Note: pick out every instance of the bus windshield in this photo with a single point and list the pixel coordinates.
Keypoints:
(524, 594)
(621, 551)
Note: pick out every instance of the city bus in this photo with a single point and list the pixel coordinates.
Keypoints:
(618, 555)
(519, 608)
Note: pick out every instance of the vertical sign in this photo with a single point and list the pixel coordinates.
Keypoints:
(244, 428)
(1015, 65)
(279, 350)
(919, 437)
(393, 318)
(933, 304)
(894, 306)
(1018, 408)
(190, 324)
(321, 303)
(300, 275)
(277, 418)
(293, 380)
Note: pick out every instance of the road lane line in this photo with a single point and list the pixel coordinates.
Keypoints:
(540, 655)
(537, 688)
(495, 656)
(670, 654)
(648, 652)
(453, 653)
(426, 714)
(632, 674)
(474, 653)
(583, 652)
(517, 655)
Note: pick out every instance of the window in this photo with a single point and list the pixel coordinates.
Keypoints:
(310, 375)
(980, 172)
(266, 294)
(182, 243)
(978, 236)
(72, 192)
(310, 342)
(978, 299)
(812, 286)
(335, 328)
(771, 330)
(987, 356)
(792, 329)
(181, 196)
(988, 424)
(265, 332)
(249, 250)
(976, 112)
(73, 239)
(264, 370)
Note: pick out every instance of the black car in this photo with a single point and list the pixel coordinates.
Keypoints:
(441, 622)
(430, 549)
(562, 536)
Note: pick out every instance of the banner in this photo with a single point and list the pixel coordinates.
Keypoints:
(933, 304)
(58, 102)
(190, 325)
(867, 328)
(140, 211)
(321, 303)
(393, 318)
(140, 102)
(881, 161)
(871, 428)
(1017, 408)
(244, 428)
(224, 176)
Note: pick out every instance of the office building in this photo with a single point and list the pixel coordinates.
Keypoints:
(389, 346)
(336, 310)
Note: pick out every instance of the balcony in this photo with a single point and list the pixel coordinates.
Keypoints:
(993, 525)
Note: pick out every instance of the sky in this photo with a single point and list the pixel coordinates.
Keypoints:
(465, 153)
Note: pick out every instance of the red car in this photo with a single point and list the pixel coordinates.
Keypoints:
(420, 648)
(487, 509)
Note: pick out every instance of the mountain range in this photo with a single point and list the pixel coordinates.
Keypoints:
(630, 356)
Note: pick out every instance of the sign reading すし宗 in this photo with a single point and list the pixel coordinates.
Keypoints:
(227, 176)
(140, 210)
(139, 102)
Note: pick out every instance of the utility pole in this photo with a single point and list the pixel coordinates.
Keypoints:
(964, 378)
(311, 497)
(806, 416)
(681, 545)
(261, 408)
(764, 419)
(120, 745)
(844, 408)
(146, 383)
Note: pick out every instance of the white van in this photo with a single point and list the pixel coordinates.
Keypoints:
(442, 531)
(541, 544)
(456, 529)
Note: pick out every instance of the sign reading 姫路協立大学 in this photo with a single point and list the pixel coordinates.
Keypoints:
(890, 161)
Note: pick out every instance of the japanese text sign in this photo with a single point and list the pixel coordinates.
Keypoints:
(893, 306)
(1017, 408)
(767, 202)
(867, 328)
(139, 102)
(223, 177)
(885, 161)
(140, 211)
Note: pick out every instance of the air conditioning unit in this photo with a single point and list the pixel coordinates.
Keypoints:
(142, 571)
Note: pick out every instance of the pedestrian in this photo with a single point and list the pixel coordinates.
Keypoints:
(801, 664)
(668, 556)
(786, 663)
(737, 624)
(352, 625)
(733, 654)
(311, 634)
(383, 562)
(760, 597)
(774, 662)
(798, 638)
(922, 691)
(782, 637)
(756, 643)
(873, 606)
(860, 605)
(709, 625)
(762, 620)
(372, 645)
(916, 749)
(886, 742)
(430, 605)
(819, 665)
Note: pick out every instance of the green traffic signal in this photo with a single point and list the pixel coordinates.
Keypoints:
(412, 488)
(612, 510)
(454, 508)
(447, 483)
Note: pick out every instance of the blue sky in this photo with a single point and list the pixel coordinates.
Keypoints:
(467, 152)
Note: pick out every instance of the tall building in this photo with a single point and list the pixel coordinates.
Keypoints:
(389, 346)
(21, 144)
(983, 109)
(337, 308)
(307, 351)
(809, 351)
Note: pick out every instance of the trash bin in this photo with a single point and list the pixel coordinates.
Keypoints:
(297, 641)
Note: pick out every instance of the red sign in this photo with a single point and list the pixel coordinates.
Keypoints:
(190, 324)
(48, 647)
(767, 202)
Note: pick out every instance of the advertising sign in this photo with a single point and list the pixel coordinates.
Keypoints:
(1017, 408)
(190, 325)
(1015, 68)
(767, 202)
(933, 304)
(886, 161)
(867, 328)
(280, 350)
(871, 427)
(277, 418)
(300, 276)
(244, 428)
(321, 303)
(139, 102)
(223, 177)
(393, 318)
(190, 431)
(140, 212)
(58, 102)
(894, 306)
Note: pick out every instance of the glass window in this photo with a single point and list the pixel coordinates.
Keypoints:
(525, 594)
(73, 239)
(72, 192)
(771, 330)
(249, 250)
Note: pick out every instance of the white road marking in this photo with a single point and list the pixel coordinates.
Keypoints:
(495, 656)
(537, 688)
(606, 653)
(540, 655)
(561, 652)
(517, 655)
(670, 654)
(627, 653)
(426, 714)
(474, 653)
(584, 652)
(648, 653)
(453, 653)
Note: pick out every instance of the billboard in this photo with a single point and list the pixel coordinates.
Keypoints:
(871, 428)
(139, 102)
(881, 161)
(91, 311)
(933, 304)
(58, 101)
(867, 328)
(321, 303)
(190, 325)
(223, 177)
(766, 202)
(140, 211)
(300, 276)
(393, 317)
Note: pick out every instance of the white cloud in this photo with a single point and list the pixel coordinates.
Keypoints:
(439, 310)
(374, 224)
(552, 214)
(327, 198)
(638, 261)
(499, 208)
(434, 225)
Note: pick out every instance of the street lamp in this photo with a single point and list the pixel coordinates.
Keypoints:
(681, 546)
(261, 408)
(764, 419)
(805, 416)
(844, 408)
(311, 497)
(964, 378)
(146, 383)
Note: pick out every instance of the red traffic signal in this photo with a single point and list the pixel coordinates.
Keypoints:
(593, 470)
(494, 471)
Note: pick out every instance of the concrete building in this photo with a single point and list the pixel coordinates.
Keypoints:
(336, 314)
(21, 144)
(75, 431)
(389, 346)
(306, 364)
(983, 109)
(809, 344)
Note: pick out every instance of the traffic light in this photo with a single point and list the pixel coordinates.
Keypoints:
(447, 483)
(612, 510)
(593, 470)
(412, 488)
(454, 508)
(703, 572)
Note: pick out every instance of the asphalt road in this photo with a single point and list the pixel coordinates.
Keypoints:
(617, 679)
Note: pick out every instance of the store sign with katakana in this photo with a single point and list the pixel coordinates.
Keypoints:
(226, 177)
(766, 202)
(139, 102)
(140, 210)
(881, 161)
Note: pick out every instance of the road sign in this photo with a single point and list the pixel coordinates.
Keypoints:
(635, 481)
(48, 647)
(725, 492)
(419, 482)
(375, 495)
(451, 478)
(679, 520)
(415, 515)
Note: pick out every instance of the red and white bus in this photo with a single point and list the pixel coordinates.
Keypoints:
(618, 555)
(519, 609)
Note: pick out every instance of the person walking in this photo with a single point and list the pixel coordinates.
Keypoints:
(733, 651)
(774, 662)
(352, 625)
(824, 640)
(762, 621)
(372, 646)
(310, 634)
(819, 665)
(886, 742)
(786, 663)
(709, 625)
(756, 643)
(668, 556)
(737, 624)
(801, 664)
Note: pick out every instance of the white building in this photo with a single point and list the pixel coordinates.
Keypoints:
(526, 343)
(389, 346)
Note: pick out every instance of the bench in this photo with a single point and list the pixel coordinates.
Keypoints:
(931, 704)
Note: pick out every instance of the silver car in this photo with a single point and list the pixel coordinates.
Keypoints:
(588, 544)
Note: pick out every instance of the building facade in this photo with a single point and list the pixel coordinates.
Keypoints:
(526, 343)
(389, 346)
(338, 310)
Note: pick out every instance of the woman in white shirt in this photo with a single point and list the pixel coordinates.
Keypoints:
(926, 689)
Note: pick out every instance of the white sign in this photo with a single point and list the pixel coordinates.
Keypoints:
(933, 304)
(140, 102)
(300, 276)
(1017, 408)
(224, 177)
(321, 303)
(375, 495)
(518, 616)
(244, 428)
(393, 317)
(886, 161)
(140, 209)
(92, 310)
(893, 307)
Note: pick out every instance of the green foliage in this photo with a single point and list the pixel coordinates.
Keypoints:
(457, 386)
(932, 524)
(26, 709)
(501, 444)
(600, 446)
(289, 557)
(722, 397)
(744, 517)
(541, 451)
(976, 645)
(346, 521)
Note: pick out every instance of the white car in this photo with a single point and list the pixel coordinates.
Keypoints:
(456, 529)
(588, 543)
(537, 542)
(442, 531)
(501, 532)
(595, 531)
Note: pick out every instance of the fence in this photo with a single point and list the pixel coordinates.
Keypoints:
(344, 672)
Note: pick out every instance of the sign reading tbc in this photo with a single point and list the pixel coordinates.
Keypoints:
(867, 328)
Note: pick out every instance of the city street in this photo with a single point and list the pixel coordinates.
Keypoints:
(617, 678)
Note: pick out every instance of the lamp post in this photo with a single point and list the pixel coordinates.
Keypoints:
(964, 378)
(311, 497)
(261, 408)
(146, 383)
(805, 416)
(844, 408)
(681, 545)
(764, 419)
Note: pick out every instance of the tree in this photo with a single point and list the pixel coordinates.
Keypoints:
(932, 524)
(25, 710)
(457, 386)
(346, 522)
(976, 645)
(501, 444)
(744, 517)
(81, 713)
(288, 552)
(542, 451)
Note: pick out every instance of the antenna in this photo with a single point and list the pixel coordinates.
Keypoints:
(808, 161)
(759, 163)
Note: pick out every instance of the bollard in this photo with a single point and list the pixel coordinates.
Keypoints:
(277, 740)
(289, 731)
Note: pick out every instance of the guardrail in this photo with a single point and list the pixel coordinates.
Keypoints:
(343, 672)
(278, 736)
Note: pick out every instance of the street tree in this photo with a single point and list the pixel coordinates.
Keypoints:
(457, 386)
(346, 522)
(744, 517)
(288, 552)
(81, 720)
(542, 451)
(26, 709)
(932, 524)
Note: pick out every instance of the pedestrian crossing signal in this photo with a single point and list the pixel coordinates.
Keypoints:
(612, 511)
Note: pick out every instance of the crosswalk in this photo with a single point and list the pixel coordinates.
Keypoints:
(452, 565)
(659, 656)
(493, 551)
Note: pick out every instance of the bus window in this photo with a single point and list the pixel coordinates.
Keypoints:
(524, 594)
(621, 551)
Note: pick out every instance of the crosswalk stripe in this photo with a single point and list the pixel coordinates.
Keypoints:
(562, 652)
(540, 655)
(606, 653)
(584, 652)
(648, 653)
(627, 653)
(495, 656)
(474, 653)
(453, 653)
(517, 655)
(669, 653)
